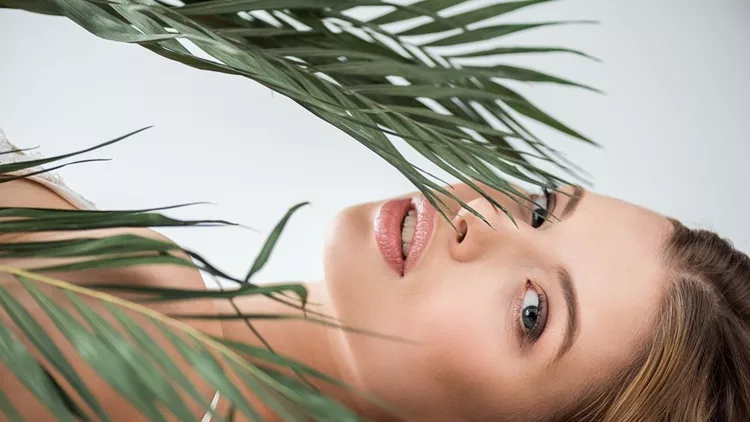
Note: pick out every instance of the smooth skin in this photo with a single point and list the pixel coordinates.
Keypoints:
(466, 354)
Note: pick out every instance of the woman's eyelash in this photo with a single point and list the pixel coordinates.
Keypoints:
(522, 314)
(538, 218)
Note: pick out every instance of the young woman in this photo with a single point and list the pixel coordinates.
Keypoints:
(606, 311)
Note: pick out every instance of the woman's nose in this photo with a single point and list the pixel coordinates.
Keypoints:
(475, 238)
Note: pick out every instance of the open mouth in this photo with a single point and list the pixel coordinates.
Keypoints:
(403, 227)
(408, 226)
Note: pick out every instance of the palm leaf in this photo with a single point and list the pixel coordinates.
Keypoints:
(265, 252)
(318, 53)
(20, 362)
(36, 335)
(14, 167)
(128, 359)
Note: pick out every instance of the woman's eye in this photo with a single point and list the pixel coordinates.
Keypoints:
(542, 209)
(532, 313)
(530, 310)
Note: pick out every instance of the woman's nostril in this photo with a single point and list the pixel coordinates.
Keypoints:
(462, 229)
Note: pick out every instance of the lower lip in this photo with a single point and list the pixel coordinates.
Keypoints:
(388, 231)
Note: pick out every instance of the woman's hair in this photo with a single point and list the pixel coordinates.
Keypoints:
(696, 364)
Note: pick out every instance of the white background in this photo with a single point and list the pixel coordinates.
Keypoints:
(674, 124)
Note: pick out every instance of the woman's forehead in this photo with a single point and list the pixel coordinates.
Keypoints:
(616, 259)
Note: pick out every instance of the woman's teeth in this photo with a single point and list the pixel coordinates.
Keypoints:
(407, 231)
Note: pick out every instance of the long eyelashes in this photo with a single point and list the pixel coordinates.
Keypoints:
(540, 214)
(531, 313)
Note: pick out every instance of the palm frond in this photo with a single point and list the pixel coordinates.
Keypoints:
(127, 357)
(367, 76)
(153, 384)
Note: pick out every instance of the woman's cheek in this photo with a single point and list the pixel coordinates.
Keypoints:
(452, 326)
(455, 352)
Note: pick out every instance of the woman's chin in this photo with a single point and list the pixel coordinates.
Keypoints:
(345, 252)
(355, 273)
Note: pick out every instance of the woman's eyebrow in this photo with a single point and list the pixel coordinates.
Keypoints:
(573, 202)
(571, 305)
(568, 286)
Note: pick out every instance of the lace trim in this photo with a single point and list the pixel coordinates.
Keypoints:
(7, 157)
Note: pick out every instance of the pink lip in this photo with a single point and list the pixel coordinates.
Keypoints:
(388, 231)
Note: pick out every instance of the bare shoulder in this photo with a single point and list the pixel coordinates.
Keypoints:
(26, 193)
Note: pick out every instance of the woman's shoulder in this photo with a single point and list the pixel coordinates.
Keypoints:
(11, 154)
(49, 192)
(28, 193)
(24, 193)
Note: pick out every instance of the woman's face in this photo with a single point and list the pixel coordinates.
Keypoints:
(504, 322)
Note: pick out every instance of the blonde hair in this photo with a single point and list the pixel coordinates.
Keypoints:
(696, 364)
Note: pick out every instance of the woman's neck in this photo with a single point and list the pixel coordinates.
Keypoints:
(316, 345)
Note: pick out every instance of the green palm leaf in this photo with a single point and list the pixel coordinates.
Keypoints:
(129, 360)
(319, 53)
(18, 359)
